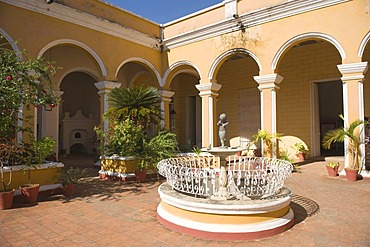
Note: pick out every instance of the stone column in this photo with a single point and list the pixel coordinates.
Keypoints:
(209, 93)
(268, 88)
(353, 96)
(50, 123)
(104, 89)
(165, 107)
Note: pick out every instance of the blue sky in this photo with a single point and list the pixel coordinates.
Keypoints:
(163, 11)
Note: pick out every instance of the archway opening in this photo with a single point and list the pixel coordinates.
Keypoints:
(310, 73)
(79, 112)
(239, 98)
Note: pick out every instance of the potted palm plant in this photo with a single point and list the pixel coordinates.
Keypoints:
(269, 141)
(351, 133)
(132, 111)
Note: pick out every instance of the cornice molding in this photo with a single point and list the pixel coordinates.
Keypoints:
(246, 20)
(74, 16)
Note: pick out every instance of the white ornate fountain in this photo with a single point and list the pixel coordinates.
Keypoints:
(222, 196)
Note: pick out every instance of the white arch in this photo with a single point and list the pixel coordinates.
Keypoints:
(141, 60)
(178, 64)
(305, 36)
(12, 43)
(363, 44)
(230, 53)
(79, 44)
(86, 70)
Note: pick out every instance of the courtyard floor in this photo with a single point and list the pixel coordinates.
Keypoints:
(328, 212)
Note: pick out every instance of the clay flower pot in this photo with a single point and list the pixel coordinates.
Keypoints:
(69, 189)
(6, 199)
(140, 176)
(332, 171)
(351, 174)
(30, 193)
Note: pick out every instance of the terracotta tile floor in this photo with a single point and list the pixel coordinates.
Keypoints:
(328, 212)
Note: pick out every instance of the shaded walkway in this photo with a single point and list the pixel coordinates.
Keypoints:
(328, 212)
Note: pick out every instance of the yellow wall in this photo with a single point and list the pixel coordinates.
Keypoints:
(300, 67)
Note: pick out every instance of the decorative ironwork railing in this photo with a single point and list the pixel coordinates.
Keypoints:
(240, 177)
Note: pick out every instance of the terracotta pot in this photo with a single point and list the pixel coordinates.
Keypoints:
(332, 172)
(6, 199)
(301, 156)
(351, 174)
(69, 189)
(140, 176)
(30, 193)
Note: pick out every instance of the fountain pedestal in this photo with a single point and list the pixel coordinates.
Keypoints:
(223, 153)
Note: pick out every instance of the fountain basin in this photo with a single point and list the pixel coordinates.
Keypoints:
(224, 220)
(237, 198)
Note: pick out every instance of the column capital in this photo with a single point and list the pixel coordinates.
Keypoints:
(106, 86)
(208, 88)
(268, 81)
(353, 71)
(166, 95)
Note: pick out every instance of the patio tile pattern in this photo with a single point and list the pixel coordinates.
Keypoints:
(328, 212)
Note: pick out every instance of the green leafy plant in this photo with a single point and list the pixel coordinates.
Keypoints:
(333, 164)
(300, 148)
(268, 139)
(139, 104)
(161, 146)
(23, 82)
(11, 154)
(124, 139)
(42, 148)
(352, 133)
(71, 175)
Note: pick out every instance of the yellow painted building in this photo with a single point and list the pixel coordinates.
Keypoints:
(283, 66)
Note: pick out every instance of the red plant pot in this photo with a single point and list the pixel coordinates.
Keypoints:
(351, 174)
(30, 193)
(140, 176)
(6, 199)
(332, 172)
(69, 189)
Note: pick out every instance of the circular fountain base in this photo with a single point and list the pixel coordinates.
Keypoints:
(225, 220)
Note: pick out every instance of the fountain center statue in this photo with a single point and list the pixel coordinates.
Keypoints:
(222, 122)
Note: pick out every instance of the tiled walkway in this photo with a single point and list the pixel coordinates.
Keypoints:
(328, 211)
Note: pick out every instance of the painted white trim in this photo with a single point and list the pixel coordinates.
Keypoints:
(363, 44)
(12, 43)
(140, 61)
(305, 36)
(83, 19)
(79, 44)
(249, 19)
(20, 124)
(210, 119)
(88, 71)
(230, 53)
(350, 68)
(178, 64)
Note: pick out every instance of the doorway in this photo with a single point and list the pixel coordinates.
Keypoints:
(328, 101)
